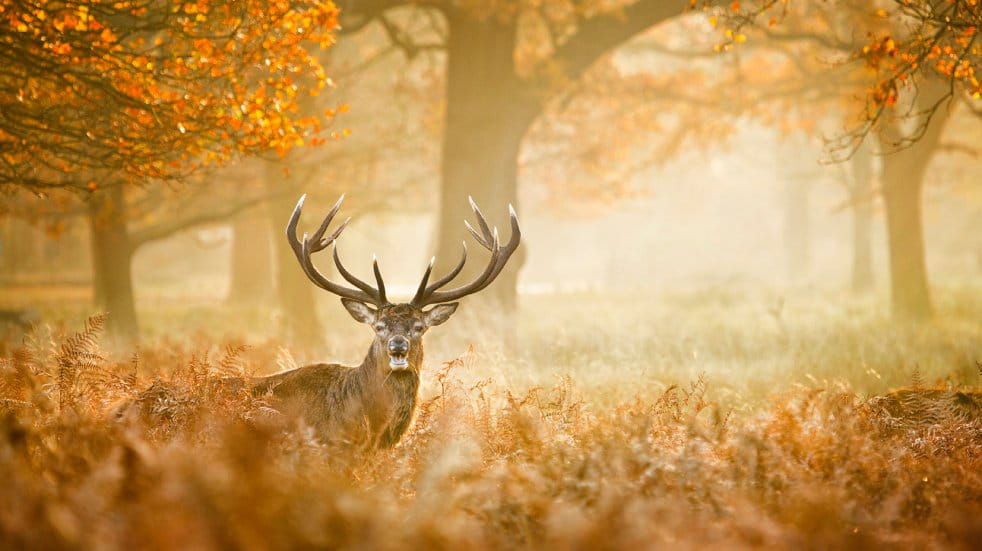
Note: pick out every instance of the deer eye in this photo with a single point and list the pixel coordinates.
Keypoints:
(379, 327)
(418, 327)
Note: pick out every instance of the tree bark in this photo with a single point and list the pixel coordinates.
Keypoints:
(797, 226)
(903, 181)
(905, 234)
(861, 206)
(112, 258)
(251, 275)
(488, 113)
(294, 292)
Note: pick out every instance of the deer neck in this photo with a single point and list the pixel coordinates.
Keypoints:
(395, 391)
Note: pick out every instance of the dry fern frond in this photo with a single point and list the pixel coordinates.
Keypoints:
(79, 361)
(231, 364)
(194, 462)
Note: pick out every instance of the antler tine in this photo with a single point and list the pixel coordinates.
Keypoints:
(497, 262)
(318, 238)
(516, 230)
(480, 220)
(302, 249)
(423, 291)
(480, 282)
(452, 273)
(477, 237)
(378, 280)
(355, 281)
(291, 225)
(513, 241)
(337, 232)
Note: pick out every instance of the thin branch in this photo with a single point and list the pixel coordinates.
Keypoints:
(172, 225)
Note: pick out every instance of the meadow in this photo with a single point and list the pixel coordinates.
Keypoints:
(719, 418)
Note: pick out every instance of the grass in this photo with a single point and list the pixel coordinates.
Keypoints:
(708, 419)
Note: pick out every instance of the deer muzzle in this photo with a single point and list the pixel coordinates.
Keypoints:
(399, 353)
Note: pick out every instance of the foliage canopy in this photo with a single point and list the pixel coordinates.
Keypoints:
(152, 89)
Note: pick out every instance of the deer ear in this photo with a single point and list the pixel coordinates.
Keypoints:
(359, 310)
(439, 313)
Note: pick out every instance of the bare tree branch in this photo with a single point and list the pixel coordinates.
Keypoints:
(602, 33)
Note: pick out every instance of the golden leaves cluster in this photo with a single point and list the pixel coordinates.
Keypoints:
(154, 89)
(906, 41)
(944, 41)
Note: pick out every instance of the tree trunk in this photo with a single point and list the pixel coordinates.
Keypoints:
(294, 291)
(905, 235)
(488, 113)
(112, 258)
(903, 180)
(861, 206)
(797, 226)
(251, 275)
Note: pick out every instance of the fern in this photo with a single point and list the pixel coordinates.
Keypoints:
(40, 344)
(79, 362)
(16, 376)
(231, 364)
(916, 379)
(131, 377)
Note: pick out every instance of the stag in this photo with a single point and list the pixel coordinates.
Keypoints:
(373, 403)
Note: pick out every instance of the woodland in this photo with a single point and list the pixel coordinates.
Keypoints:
(723, 278)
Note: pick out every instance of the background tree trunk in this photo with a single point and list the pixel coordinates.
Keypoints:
(903, 181)
(294, 292)
(905, 234)
(487, 116)
(251, 276)
(797, 226)
(112, 258)
(861, 206)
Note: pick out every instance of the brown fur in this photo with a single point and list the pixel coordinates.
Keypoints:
(370, 404)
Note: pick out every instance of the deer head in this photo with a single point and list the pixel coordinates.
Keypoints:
(399, 327)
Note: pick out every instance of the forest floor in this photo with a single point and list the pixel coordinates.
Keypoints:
(726, 418)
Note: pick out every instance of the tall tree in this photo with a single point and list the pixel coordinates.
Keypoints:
(101, 95)
(122, 219)
(904, 172)
(861, 195)
(912, 49)
(504, 62)
(112, 259)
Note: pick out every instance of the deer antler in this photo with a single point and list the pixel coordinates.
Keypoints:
(304, 247)
(487, 238)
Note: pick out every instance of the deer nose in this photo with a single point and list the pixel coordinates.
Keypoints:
(399, 345)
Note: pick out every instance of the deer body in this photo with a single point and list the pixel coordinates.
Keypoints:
(351, 404)
(373, 403)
